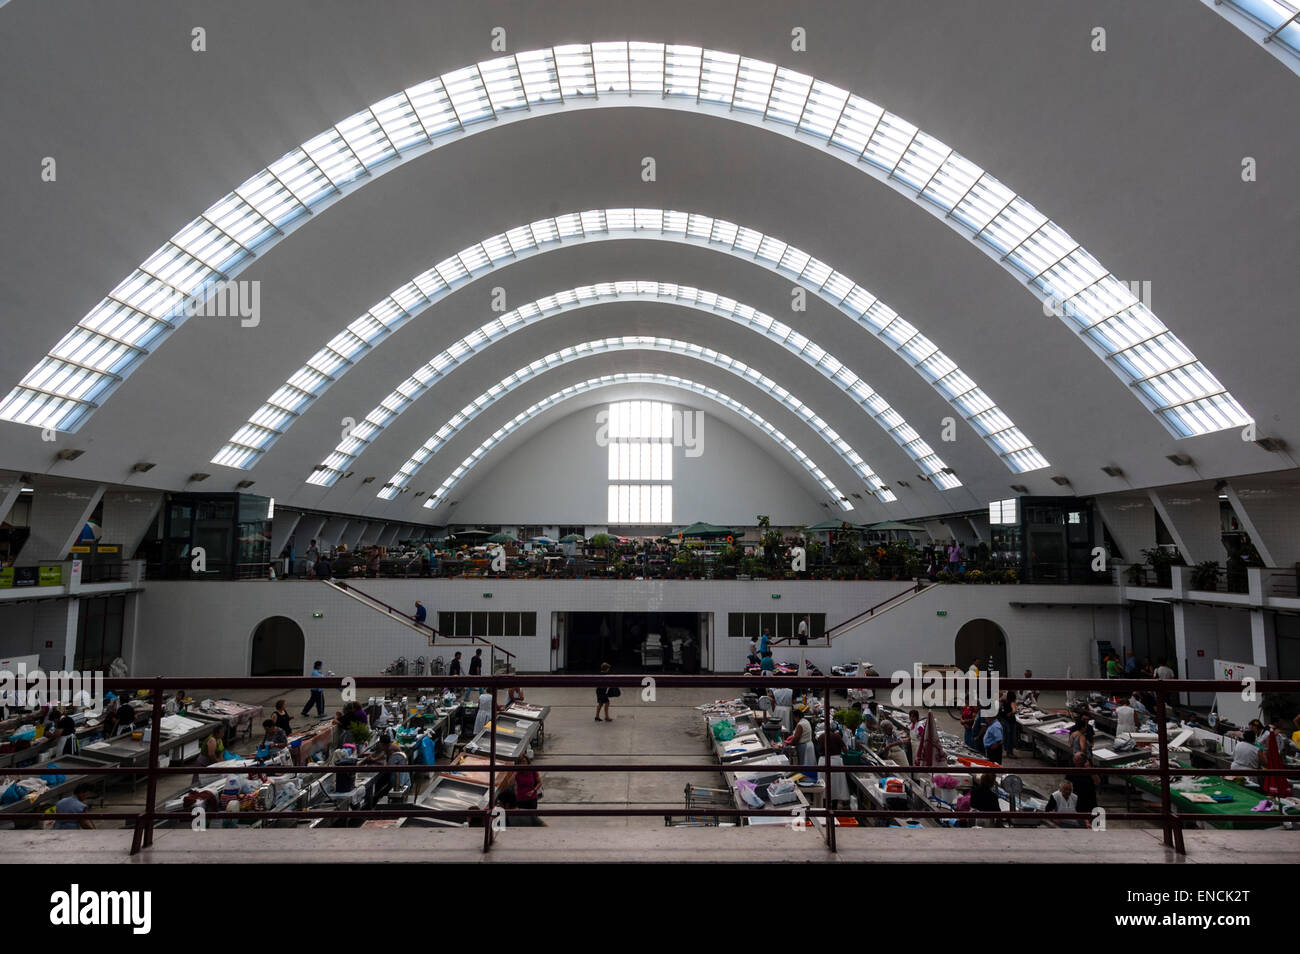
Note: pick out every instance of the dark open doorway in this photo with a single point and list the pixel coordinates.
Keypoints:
(984, 640)
(278, 647)
(633, 642)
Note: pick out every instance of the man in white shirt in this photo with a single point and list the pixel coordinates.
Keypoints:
(1064, 800)
(1125, 720)
(1245, 755)
(1164, 672)
(803, 631)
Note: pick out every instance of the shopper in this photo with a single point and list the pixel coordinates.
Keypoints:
(993, 739)
(484, 712)
(803, 631)
(317, 697)
(1125, 719)
(421, 614)
(313, 555)
(1084, 783)
(983, 797)
(454, 669)
(767, 665)
(476, 663)
(602, 696)
(528, 787)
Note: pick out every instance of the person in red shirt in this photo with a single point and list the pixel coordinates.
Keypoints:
(528, 787)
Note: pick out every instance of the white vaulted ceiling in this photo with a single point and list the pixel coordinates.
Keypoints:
(1027, 148)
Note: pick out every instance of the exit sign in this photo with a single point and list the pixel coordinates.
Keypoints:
(941, 613)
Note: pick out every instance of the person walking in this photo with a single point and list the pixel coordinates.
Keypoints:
(317, 697)
(993, 741)
(476, 663)
(313, 554)
(421, 614)
(603, 694)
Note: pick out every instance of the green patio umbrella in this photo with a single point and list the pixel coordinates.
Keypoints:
(573, 538)
(705, 531)
(501, 538)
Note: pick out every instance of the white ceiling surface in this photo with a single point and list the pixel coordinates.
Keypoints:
(1136, 152)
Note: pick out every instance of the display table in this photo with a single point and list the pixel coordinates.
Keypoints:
(1243, 799)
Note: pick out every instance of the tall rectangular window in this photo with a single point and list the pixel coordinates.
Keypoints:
(640, 462)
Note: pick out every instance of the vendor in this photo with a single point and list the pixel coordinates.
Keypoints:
(984, 797)
(514, 695)
(275, 737)
(767, 664)
(1245, 755)
(65, 733)
(484, 711)
(74, 804)
(213, 749)
(801, 740)
(1125, 719)
(896, 742)
(1064, 800)
(176, 704)
(783, 706)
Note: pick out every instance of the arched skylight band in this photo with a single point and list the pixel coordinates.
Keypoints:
(278, 412)
(86, 365)
(1274, 24)
(409, 391)
(686, 349)
(610, 380)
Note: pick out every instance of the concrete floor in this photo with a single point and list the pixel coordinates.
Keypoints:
(667, 730)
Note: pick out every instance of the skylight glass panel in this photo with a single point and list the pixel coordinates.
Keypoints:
(952, 181)
(207, 243)
(790, 91)
(468, 96)
(856, 124)
(538, 74)
(892, 136)
(611, 65)
(335, 159)
(577, 75)
(823, 108)
(985, 199)
(433, 107)
(301, 176)
(504, 87)
(1012, 226)
(365, 137)
(921, 160)
(718, 77)
(682, 70)
(1071, 275)
(240, 221)
(646, 66)
(753, 85)
(1042, 249)
(397, 118)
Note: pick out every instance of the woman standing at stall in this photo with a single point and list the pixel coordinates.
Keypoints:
(803, 743)
(528, 786)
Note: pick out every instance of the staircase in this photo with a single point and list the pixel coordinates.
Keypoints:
(424, 629)
(853, 622)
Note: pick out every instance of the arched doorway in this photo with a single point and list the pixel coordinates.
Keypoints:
(278, 648)
(982, 639)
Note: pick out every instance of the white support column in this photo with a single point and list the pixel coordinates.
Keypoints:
(980, 524)
(310, 527)
(60, 509)
(331, 534)
(127, 517)
(1259, 641)
(11, 488)
(282, 528)
(1270, 513)
(1130, 518)
(1192, 516)
(371, 534)
(389, 536)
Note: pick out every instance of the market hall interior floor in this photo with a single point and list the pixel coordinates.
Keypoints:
(667, 730)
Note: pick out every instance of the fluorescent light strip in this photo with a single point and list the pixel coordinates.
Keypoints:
(610, 380)
(410, 123)
(426, 377)
(576, 352)
(546, 235)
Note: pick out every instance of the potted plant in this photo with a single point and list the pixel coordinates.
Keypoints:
(1205, 576)
(1162, 560)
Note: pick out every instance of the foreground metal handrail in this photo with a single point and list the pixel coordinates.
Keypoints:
(1171, 820)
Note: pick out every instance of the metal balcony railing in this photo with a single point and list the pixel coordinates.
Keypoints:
(144, 821)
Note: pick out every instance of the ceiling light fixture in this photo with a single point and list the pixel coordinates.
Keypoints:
(1112, 471)
(142, 468)
(68, 454)
(1182, 460)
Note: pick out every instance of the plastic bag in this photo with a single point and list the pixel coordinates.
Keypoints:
(748, 793)
(13, 793)
(724, 731)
